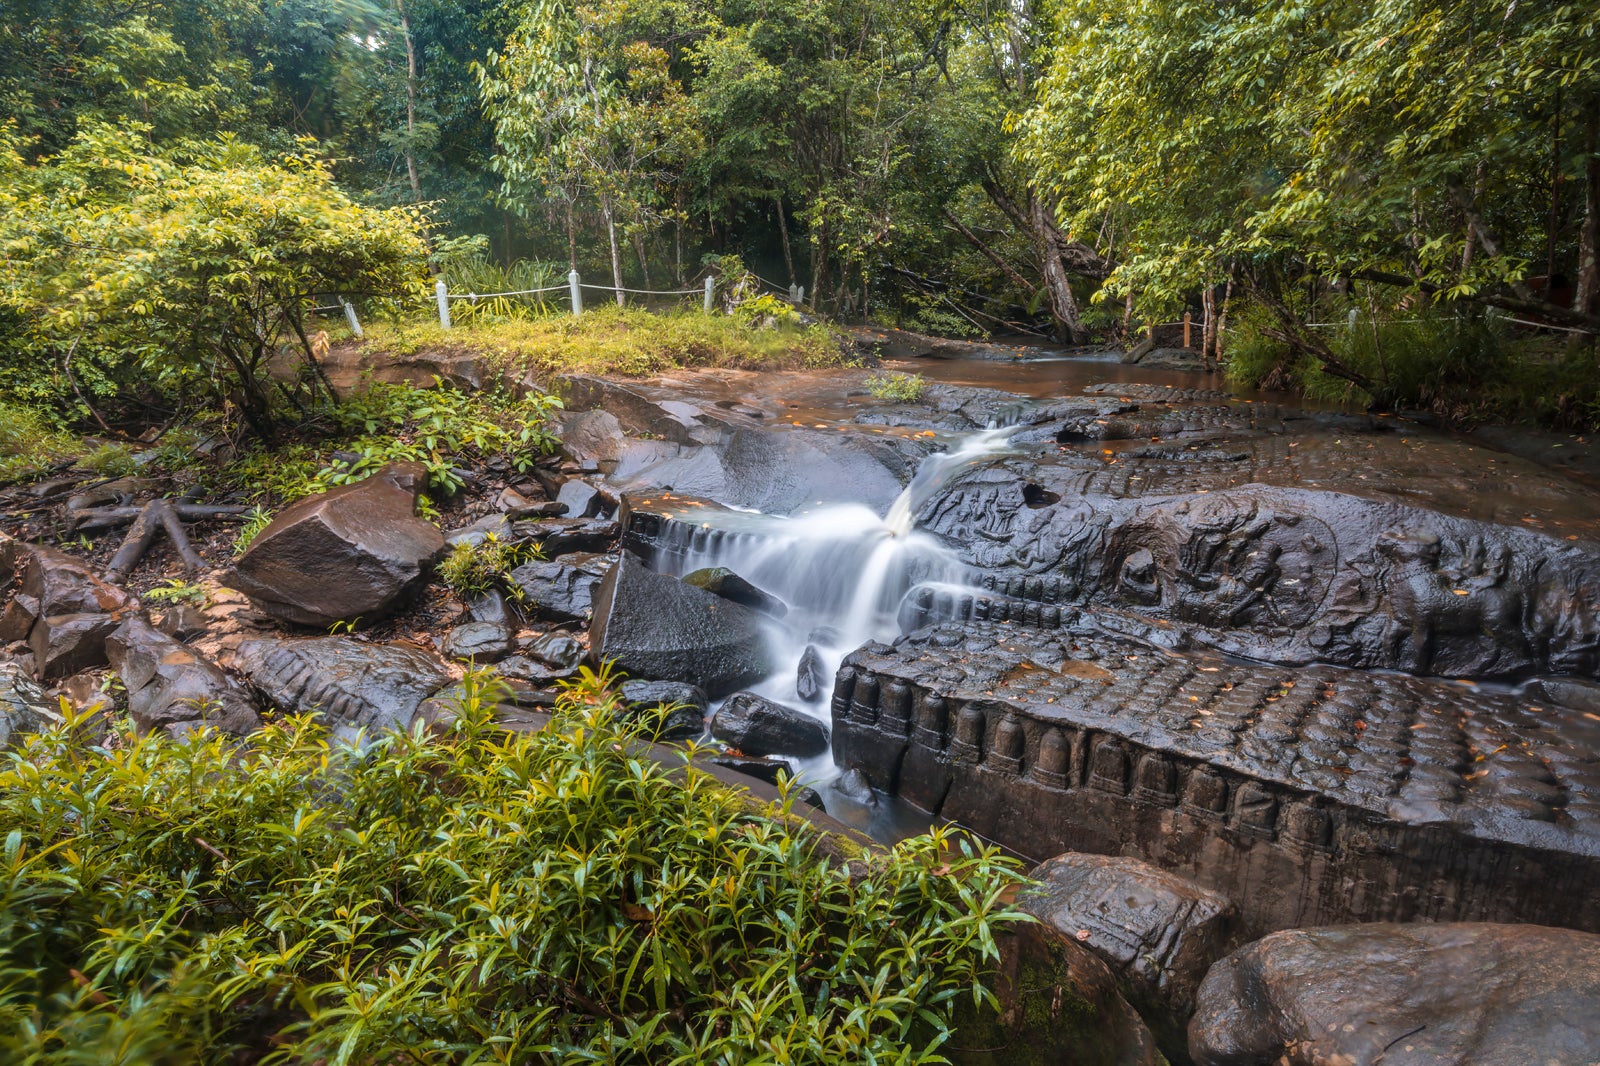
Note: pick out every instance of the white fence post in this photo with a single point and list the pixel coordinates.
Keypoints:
(711, 291)
(350, 317)
(1351, 324)
(575, 286)
(442, 294)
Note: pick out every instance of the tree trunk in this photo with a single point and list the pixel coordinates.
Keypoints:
(819, 264)
(783, 232)
(1586, 301)
(1222, 318)
(616, 250)
(1063, 307)
(411, 103)
(990, 254)
(638, 250)
(1208, 319)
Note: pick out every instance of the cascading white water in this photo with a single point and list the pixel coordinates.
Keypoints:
(842, 569)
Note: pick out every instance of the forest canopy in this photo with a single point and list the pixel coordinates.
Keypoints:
(1068, 168)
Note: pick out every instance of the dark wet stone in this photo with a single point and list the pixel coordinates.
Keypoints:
(493, 606)
(351, 552)
(1057, 1004)
(811, 679)
(1408, 995)
(562, 588)
(730, 586)
(761, 768)
(23, 706)
(580, 498)
(563, 536)
(353, 684)
(1157, 931)
(60, 607)
(687, 717)
(558, 651)
(656, 627)
(173, 688)
(514, 504)
(525, 668)
(756, 725)
(501, 526)
(1276, 786)
(479, 642)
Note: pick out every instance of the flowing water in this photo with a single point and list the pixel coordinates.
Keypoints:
(843, 570)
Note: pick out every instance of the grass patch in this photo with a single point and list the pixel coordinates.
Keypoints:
(467, 899)
(895, 386)
(611, 340)
(30, 444)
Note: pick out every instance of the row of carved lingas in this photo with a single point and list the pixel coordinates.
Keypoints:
(892, 706)
(930, 606)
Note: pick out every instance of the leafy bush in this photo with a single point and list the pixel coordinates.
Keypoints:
(30, 443)
(480, 274)
(472, 570)
(895, 386)
(442, 428)
(471, 898)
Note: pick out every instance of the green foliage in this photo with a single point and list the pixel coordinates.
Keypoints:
(176, 591)
(473, 897)
(442, 428)
(896, 386)
(258, 519)
(30, 444)
(631, 341)
(480, 274)
(471, 570)
(182, 272)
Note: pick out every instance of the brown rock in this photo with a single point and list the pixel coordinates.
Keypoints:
(173, 688)
(1404, 995)
(60, 607)
(351, 552)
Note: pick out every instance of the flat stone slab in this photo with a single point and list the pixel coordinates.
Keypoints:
(1311, 795)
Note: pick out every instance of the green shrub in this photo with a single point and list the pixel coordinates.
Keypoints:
(895, 386)
(30, 443)
(472, 570)
(471, 898)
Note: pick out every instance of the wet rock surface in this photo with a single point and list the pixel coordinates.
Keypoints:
(723, 582)
(811, 678)
(351, 552)
(24, 708)
(355, 685)
(1158, 932)
(687, 717)
(658, 628)
(1310, 795)
(756, 725)
(173, 688)
(562, 588)
(1404, 995)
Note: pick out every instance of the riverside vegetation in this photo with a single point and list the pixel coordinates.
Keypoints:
(470, 897)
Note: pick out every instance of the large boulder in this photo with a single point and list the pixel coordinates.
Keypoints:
(759, 726)
(60, 607)
(562, 588)
(591, 438)
(351, 552)
(654, 626)
(172, 688)
(1404, 995)
(1157, 931)
(1058, 1005)
(355, 685)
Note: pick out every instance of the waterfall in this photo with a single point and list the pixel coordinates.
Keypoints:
(842, 569)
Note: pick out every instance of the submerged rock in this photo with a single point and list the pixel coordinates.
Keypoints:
(656, 627)
(173, 688)
(758, 726)
(810, 678)
(351, 552)
(1408, 995)
(355, 685)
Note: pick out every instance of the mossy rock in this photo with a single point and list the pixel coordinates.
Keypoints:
(1058, 1006)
